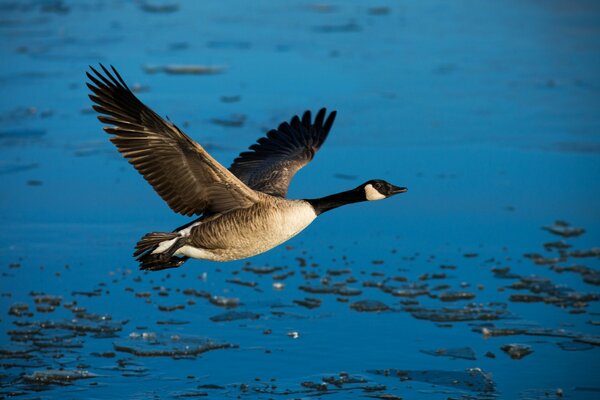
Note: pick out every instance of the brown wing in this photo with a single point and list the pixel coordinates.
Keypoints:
(178, 168)
(274, 160)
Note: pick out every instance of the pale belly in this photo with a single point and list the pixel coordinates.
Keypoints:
(239, 238)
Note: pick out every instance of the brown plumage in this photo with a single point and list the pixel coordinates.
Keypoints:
(178, 168)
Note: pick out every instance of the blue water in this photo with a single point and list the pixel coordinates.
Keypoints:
(486, 111)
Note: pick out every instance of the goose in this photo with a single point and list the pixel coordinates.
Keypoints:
(244, 210)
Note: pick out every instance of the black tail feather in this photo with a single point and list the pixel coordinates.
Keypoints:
(162, 260)
(154, 262)
(151, 240)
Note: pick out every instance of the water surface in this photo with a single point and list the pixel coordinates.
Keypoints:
(486, 111)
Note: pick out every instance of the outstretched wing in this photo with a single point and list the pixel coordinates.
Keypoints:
(178, 168)
(274, 159)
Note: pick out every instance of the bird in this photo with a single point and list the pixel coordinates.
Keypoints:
(242, 210)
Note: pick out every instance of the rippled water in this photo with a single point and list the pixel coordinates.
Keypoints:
(480, 282)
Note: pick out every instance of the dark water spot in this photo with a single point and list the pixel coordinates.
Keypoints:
(301, 262)
(444, 69)
(382, 10)
(20, 310)
(240, 282)
(564, 229)
(318, 386)
(105, 354)
(261, 270)
(234, 316)
(230, 99)
(345, 176)
(427, 276)
(196, 293)
(517, 351)
(470, 312)
(348, 386)
(82, 314)
(455, 296)
(322, 8)
(446, 266)
(229, 44)
(308, 302)
(226, 302)
(525, 298)
(339, 289)
(172, 322)
(103, 327)
(56, 376)
(384, 396)
(369, 306)
(185, 69)
(159, 8)
(171, 308)
(341, 28)
(410, 290)
(593, 252)
(286, 314)
(188, 395)
(558, 245)
(545, 290)
(47, 299)
(472, 379)
(504, 273)
(466, 353)
(150, 344)
(45, 308)
(541, 260)
(93, 293)
(233, 121)
(34, 182)
(211, 386)
(281, 277)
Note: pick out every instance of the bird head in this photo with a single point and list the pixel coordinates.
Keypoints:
(377, 189)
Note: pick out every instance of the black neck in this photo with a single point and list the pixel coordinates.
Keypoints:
(335, 200)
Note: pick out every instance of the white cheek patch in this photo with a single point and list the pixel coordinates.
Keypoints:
(372, 193)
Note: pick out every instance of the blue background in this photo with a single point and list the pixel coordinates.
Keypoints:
(486, 110)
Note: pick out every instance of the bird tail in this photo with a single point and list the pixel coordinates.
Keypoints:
(163, 259)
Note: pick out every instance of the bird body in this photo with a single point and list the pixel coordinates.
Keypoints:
(247, 232)
(244, 210)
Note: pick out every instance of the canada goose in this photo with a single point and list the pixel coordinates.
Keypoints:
(244, 210)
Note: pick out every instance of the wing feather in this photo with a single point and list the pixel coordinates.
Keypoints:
(187, 178)
(273, 160)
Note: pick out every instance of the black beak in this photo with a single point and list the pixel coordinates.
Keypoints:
(398, 189)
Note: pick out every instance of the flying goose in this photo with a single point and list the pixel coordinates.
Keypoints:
(243, 210)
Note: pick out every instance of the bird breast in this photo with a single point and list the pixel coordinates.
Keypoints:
(246, 232)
